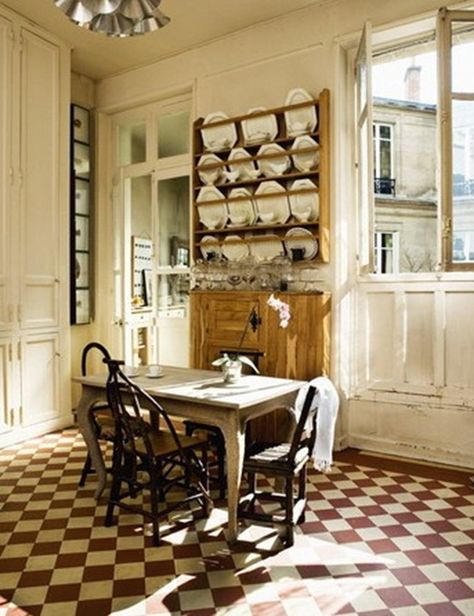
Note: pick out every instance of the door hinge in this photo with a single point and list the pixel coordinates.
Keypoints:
(10, 352)
(18, 350)
(20, 414)
(12, 417)
(447, 226)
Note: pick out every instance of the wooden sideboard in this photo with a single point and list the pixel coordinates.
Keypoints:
(301, 351)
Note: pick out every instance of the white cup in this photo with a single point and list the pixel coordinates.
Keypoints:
(131, 371)
(154, 370)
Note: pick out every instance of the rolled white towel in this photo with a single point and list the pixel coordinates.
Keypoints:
(326, 401)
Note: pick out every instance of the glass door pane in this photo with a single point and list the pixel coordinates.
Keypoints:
(173, 134)
(132, 144)
(173, 222)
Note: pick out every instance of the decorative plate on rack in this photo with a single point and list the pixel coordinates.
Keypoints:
(301, 120)
(304, 206)
(241, 212)
(259, 129)
(221, 137)
(303, 239)
(213, 174)
(305, 160)
(276, 165)
(266, 247)
(238, 162)
(210, 247)
(212, 215)
(234, 248)
(274, 208)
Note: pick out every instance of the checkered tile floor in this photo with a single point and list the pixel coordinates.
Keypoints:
(381, 537)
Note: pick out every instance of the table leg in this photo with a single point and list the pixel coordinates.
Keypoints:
(234, 436)
(87, 428)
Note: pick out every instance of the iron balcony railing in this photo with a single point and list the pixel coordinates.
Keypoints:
(384, 186)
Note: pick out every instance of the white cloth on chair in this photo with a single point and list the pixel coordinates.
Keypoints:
(326, 401)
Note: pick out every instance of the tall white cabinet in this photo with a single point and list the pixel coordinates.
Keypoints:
(34, 202)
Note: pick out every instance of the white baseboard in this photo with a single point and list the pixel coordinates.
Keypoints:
(18, 435)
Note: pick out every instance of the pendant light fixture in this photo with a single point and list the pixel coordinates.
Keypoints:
(118, 18)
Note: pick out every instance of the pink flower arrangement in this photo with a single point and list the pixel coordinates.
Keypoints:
(282, 308)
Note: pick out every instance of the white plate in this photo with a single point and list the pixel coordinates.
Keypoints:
(274, 209)
(298, 237)
(260, 129)
(241, 212)
(305, 161)
(302, 120)
(210, 244)
(305, 206)
(154, 376)
(217, 138)
(234, 248)
(266, 249)
(212, 175)
(215, 215)
(273, 166)
(237, 162)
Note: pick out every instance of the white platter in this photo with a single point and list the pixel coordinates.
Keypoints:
(209, 245)
(241, 212)
(274, 209)
(304, 206)
(273, 166)
(217, 138)
(212, 175)
(237, 162)
(234, 248)
(215, 215)
(260, 129)
(302, 120)
(305, 161)
(264, 250)
(298, 237)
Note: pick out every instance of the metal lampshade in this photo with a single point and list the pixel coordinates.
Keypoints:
(116, 18)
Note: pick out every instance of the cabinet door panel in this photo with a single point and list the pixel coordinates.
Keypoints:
(40, 378)
(227, 321)
(40, 184)
(5, 381)
(5, 164)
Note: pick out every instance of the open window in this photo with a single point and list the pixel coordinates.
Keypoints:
(415, 129)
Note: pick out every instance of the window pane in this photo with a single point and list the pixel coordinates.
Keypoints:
(173, 221)
(173, 134)
(462, 55)
(463, 181)
(385, 159)
(385, 132)
(132, 144)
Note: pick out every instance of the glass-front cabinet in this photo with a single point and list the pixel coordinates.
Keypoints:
(152, 223)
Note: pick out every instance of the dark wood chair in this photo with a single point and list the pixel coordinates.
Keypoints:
(284, 462)
(151, 459)
(101, 414)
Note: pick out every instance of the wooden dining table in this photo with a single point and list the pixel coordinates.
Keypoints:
(203, 396)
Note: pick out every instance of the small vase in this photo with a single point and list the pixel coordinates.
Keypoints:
(232, 371)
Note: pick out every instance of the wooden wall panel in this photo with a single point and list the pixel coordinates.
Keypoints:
(379, 324)
(459, 340)
(419, 351)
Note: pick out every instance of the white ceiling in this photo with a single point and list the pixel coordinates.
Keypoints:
(192, 23)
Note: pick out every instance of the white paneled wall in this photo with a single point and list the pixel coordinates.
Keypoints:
(414, 390)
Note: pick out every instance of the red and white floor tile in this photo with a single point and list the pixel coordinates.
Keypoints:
(381, 537)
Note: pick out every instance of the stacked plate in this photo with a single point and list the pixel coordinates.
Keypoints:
(210, 175)
(300, 239)
(234, 248)
(305, 160)
(266, 247)
(213, 215)
(304, 206)
(276, 165)
(274, 207)
(241, 212)
(220, 137)
(261, 128)
(239, 162)
(210, 247)
(302, 120)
